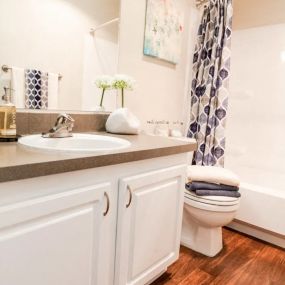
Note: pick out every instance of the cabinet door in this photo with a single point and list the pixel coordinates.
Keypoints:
(52, 239)
(149, 224)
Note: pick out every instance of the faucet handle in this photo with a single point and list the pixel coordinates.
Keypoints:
(65, 119)
(63, 127)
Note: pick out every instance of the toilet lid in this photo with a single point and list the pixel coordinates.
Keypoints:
(212, 200)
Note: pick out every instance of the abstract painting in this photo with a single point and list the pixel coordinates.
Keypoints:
(163, 30)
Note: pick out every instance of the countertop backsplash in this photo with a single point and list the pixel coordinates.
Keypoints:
(37, 122)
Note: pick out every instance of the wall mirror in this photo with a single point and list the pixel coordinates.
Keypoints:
(49, 43)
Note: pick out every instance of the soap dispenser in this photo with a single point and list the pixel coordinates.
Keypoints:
(7, 115)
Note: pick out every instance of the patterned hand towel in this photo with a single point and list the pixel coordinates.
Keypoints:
(36, 89)
(197, 185)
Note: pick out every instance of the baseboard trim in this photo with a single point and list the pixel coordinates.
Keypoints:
(156, 277)
(257, 232)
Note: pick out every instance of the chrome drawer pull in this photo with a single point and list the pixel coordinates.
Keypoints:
(131, 196)
(108, 204)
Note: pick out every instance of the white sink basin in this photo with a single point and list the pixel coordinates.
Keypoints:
(76, 143)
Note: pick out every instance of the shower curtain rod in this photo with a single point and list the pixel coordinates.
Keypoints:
(200, 3)
(93, 30)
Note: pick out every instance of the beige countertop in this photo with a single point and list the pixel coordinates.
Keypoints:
(18, 162)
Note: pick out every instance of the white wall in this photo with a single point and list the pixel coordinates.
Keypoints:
(255, 128)
(160, 91)
(53, 35)
(104, 53)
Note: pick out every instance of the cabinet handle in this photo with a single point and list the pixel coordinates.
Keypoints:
(131, 196)
(108, 204)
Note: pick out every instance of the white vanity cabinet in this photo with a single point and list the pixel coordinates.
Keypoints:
(113, 225)
(149, 224)
(53, 239)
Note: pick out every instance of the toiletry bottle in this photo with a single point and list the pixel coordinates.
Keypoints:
(7, 115)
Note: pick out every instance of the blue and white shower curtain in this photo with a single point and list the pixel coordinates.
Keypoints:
(209, 88)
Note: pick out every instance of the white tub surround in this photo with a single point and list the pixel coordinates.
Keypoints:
(261, 213)
(255, 136)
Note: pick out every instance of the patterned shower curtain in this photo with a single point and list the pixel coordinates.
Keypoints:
(209, 89)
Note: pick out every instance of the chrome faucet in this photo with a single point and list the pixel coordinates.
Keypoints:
(62, 128)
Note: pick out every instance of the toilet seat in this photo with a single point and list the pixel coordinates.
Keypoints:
(212, 203)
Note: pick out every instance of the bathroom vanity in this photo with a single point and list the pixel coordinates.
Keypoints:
(112, 218)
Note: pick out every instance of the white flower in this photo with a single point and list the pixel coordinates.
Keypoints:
(122, 81)
(104, 82)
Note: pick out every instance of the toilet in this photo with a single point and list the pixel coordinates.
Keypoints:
(203, 219)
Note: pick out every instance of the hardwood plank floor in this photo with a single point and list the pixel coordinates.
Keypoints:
(243, 261)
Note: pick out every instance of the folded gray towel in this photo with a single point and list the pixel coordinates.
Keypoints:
(198, 185)
(235, 194)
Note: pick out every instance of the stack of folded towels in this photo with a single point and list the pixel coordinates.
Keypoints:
(212, 181)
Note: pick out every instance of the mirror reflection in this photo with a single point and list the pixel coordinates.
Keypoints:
(52, 51)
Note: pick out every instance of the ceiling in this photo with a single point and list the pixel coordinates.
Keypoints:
(256, 13)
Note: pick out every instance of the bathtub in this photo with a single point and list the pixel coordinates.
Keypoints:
(262, 208)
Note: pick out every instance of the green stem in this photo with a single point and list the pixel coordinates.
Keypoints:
(123, 99)
(102, 97)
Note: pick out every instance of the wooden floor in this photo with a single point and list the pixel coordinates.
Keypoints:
(243, 261)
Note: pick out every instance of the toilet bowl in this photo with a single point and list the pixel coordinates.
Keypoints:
(203, 218)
